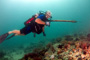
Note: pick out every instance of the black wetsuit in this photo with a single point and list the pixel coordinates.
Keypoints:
(25, 30)
(33, 26)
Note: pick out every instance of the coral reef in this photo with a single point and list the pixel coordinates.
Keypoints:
(69, 47)
(75, 47)
(35, 55)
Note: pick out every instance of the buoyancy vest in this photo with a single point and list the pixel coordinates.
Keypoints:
(26, 23)
(37, 28)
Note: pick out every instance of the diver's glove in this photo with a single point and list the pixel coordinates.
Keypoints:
(47, 23)
(44, 34)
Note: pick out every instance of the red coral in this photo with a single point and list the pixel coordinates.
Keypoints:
(67, 46)
(73, 50)
(84, 52)
(37, 58)
(83, 45)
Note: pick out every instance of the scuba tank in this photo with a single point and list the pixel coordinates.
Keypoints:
(27, 22)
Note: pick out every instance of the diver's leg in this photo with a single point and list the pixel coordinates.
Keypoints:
(4, 36)
(16, 32)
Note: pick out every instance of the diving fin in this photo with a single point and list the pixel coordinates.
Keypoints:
(10, 36)
(3, 37)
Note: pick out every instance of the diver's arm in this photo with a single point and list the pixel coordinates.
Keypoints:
(39, 21)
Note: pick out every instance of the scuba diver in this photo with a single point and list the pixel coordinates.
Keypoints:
(35, 24)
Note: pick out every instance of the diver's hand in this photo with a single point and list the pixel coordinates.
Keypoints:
(44, 34)
(47, 23)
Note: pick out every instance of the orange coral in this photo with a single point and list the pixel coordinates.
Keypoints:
(59, 51)
(67, 46)
(83, 45)
(77, 45)
(74, 50)
(70, 58)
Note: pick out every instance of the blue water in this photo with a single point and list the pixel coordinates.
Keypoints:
(13, 14)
